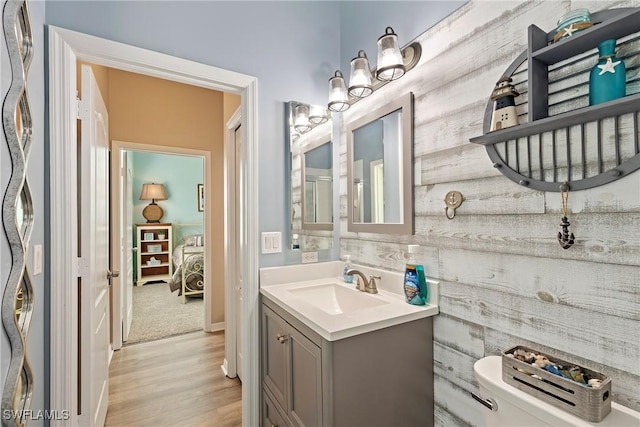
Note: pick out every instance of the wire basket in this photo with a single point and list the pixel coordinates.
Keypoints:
(589, 403)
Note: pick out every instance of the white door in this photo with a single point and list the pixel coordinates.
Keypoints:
(127, 246)
(94, 254)
(239, 250)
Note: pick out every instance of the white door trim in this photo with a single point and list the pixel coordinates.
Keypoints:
(230, 348)
(65, 48)
(116, 198)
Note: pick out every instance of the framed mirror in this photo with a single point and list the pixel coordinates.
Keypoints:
(310, 156)
(380, 169)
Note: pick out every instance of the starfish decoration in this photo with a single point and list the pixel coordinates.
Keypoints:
(609, 66)
(568, 31)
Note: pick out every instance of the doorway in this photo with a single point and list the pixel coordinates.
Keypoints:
(65, 47)
(173, 305)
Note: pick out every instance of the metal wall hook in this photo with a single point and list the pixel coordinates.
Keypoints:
(452, 200)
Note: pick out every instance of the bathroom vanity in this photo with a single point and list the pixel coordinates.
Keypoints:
(332, 355)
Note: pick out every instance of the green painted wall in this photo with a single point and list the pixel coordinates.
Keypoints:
(180, 176)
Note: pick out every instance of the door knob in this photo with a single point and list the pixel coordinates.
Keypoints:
(111, 275)
(282, 338)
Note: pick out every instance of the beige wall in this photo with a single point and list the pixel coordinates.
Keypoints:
(230, 104)
(148, 110)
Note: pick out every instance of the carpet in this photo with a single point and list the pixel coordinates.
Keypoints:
(158, 313)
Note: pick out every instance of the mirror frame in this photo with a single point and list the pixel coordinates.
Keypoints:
(315, 225)
(406, 227)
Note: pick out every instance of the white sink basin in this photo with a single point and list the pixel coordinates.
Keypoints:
(336, 299)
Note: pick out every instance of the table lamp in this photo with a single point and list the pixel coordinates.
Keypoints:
(152, 212)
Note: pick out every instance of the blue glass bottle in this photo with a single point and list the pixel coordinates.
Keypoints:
(607, 80)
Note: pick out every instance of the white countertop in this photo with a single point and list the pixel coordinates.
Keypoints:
(392, 309)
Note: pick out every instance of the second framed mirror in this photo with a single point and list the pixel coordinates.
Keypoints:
(380, 169)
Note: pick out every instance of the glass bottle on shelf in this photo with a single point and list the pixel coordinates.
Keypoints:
(607, 80)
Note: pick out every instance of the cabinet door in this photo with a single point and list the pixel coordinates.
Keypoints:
(305, 387)
(271, 415)
(274, 351)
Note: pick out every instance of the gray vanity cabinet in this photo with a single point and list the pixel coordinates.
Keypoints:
(379, 378)
(292, 371)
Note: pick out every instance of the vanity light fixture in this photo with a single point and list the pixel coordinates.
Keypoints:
(301, 119)
(390, 63)
(393, 63)
(304, 117)
(338, 98)
(318, 115)
(360, 79)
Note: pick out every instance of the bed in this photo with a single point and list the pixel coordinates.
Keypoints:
(188, 275)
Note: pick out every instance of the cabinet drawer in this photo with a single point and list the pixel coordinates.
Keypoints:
(271, 415)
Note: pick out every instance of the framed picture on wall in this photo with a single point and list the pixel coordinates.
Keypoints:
(200, 197)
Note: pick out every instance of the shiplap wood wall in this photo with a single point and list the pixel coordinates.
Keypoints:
(504, 278)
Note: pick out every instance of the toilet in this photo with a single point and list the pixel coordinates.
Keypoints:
(515, 408)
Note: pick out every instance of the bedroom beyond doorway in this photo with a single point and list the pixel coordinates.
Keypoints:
(158, 314)
(168, 266)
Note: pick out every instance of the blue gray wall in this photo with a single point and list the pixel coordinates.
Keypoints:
(291, 47)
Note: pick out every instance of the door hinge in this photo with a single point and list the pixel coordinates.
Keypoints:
(82, 267)
(81, 110)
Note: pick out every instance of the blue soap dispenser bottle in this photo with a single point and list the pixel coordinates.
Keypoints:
(415, 281)
(348, 278)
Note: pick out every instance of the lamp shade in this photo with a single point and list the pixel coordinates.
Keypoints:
(390, 64)
(318, 115)
(301, 119)
(338, 98)
(360, 79)
(153, 192)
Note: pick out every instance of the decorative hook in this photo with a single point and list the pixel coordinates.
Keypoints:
(452, 200)
(565, 238)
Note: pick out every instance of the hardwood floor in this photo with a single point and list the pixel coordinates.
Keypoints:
(173, 382)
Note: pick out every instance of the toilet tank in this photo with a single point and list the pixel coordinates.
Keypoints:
(515, 408)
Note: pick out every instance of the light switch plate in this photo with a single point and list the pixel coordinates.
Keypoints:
(271, 242)
(309, 257)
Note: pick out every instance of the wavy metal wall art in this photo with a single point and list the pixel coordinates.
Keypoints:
(17, 215)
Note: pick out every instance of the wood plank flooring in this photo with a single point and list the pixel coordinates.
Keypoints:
(173, 382)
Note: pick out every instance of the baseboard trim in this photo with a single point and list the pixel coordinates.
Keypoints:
(215, 327)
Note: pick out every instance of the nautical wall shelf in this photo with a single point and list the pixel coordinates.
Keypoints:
(562, 138)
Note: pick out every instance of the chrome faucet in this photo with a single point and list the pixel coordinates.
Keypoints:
(362, 283)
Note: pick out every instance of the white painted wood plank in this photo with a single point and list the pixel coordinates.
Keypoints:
(486, 196)
(459, 335)
(600, 238)
(468, 161)
(459, 404)
(578, 284)
(455, 366)
(606, 339)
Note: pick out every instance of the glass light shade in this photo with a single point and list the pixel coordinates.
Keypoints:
(301, 119)
(360, 80)
(153, 192)
(390, 64)
(338, 98)
(318, 115)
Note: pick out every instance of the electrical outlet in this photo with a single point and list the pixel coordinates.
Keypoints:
(309, 257)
